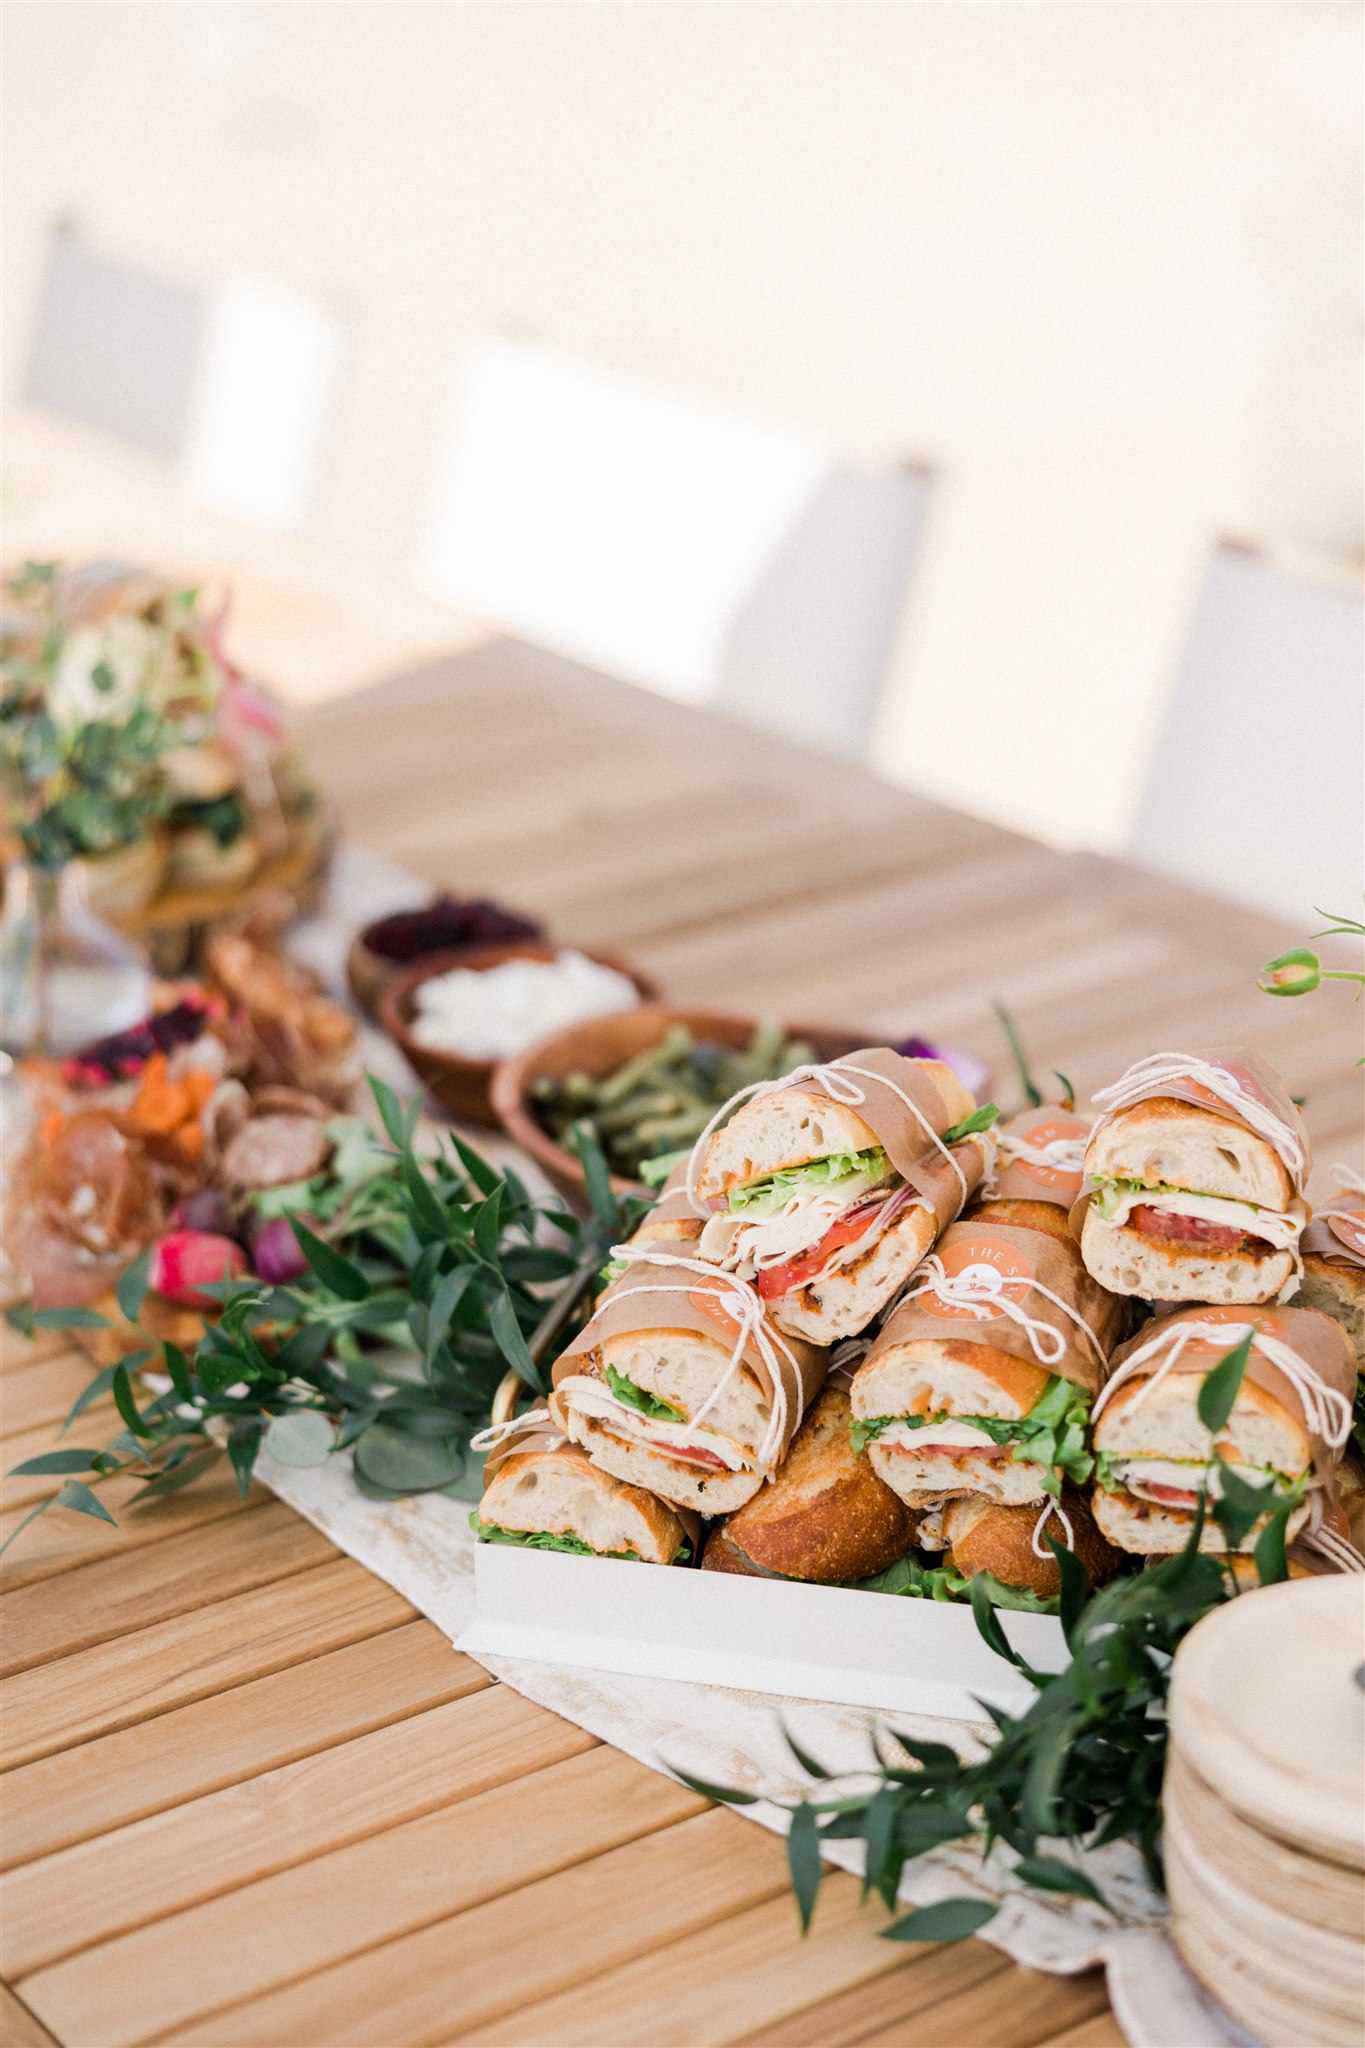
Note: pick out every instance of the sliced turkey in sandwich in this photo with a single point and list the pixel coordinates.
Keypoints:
(1284, 1432)
(543, 1493)
(827, 1190)
(1193, 1182)
(680, 1383)
(981, 1379)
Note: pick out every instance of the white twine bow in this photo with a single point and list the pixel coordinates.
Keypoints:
(495, 1433)
(836, 1077)
(735, 1299)
(982, 1291)
(1066, 1154)
(1338, 1550)
(1147, 1078)
(1051, 1507)
(1326, 1412)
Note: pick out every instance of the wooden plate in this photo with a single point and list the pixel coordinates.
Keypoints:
(1265, 1868)
(1266, 1706)
(1273, 2014)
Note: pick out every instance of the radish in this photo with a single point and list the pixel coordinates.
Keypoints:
(187, 1261)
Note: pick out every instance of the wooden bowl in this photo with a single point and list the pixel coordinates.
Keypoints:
(601, 1044)
(463, 1086)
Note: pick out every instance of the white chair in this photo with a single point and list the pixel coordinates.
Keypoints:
(1256, 783)
(712, 556)
(235, 384)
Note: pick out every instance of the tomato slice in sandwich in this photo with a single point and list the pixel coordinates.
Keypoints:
(784, 1279)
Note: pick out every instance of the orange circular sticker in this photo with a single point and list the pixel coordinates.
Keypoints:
(1051, 1130)
(988, 1268)
(1209, 1348)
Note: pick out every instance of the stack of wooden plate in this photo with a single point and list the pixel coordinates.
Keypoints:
(1265, 1810)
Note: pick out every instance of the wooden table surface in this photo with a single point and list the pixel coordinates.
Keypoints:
(251, 1796)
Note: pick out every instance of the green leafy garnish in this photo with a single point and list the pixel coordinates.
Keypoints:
(641, 1400)
(848, 1173)
(541, 1539)
(428, 1278)
(916, 1581)
(980, 1120)
(1052, 1434)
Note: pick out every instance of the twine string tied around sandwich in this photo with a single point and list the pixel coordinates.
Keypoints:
(1146, 1078)
(1328, 1542)
(1067, 1155)
(1051, 1507)
(983, 1291)
(739, 1302)
(1326, 1412)
(495, 1433)
(840, 1081)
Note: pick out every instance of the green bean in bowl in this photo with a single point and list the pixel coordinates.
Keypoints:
(659, 1102)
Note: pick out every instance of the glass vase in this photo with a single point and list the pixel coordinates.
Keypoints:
(66, 977)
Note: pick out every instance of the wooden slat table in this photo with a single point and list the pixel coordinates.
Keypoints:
(251, 1797)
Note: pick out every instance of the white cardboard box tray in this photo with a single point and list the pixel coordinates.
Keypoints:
(759, 1635)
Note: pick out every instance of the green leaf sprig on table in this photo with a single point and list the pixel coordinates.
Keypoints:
(435, 1277)
(1081, 1765)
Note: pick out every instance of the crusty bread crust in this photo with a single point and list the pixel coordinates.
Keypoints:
(986, 1537)
(562, 1492)
(707, 1493)
(843, 1301)
(1148, 1530)
(826, 1517)
(1127, 1261)
(1176, 1143)
(962, 1378)
(793, 1125)
(1163, 1421)
(1047, 1216)
(1339, 1291)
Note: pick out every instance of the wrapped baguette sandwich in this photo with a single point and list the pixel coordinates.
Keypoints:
(1286, 1429)
(826, 1517)
(1194, 1179)
(1039, 1157)
(542, 1492)
(679, 1382)
(1333, 1250)
(827, 1188)
(980, 1380)
(979, 1535)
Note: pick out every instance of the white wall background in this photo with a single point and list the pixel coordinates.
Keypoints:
(1100, 263)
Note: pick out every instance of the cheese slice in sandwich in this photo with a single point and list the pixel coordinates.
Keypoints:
(826, 1192)
(1193, 1182)
(546, 1494)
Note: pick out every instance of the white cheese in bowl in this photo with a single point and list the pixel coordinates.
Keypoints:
(492, 1012)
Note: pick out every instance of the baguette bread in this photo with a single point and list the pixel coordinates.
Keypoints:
(1127, 1261)
(826, 1517)
(560, 1492)
(1163, 1142)
(984, 1536)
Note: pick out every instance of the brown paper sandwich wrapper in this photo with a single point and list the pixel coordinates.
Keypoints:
(920, 1163)
(1337, 1230)
(1319, 1342)
(1257, 1077)
(689, 1302)
(1022, 1180)
(1025, 1260)
(546, 1438)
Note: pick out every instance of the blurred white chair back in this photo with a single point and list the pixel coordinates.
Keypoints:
(235, 385)
(712, 556)
(1256, 784)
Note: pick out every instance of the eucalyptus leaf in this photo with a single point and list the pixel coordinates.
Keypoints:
(947, 1920)
(302, 1438)
(803, 1860)
(408, 1464)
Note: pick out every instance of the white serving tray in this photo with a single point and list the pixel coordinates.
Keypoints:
(759, 1635)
